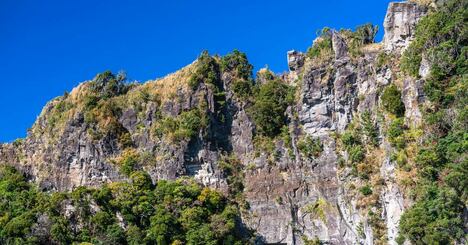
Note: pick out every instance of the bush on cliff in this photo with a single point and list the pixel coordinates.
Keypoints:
(206, 71)
(269, 109)
(237, 63)
(322, 46)
(391, 101)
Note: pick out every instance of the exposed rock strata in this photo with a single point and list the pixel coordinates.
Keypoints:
(331, 95)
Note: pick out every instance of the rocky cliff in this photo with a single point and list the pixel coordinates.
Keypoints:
(190, 122)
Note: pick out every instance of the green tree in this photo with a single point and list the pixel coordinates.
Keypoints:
(237, 63)
(269, 107)
(206, 71)
(141, 180)
(391, 101)
(163, 228)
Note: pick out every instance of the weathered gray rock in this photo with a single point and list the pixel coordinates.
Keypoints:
(425, 68)
(413, 96)
(281, 186)
(400, 23)
(339, 46)
(295, 60)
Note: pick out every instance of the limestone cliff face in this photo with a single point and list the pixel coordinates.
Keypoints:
(400, 23)
(290, 195)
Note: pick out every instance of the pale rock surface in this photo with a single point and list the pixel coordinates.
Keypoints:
(400, 23)
(279, 192)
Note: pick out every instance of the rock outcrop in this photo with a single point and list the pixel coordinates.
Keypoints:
(400, 23)
(291, 196)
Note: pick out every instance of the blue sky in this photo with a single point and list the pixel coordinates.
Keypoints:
(49, 46)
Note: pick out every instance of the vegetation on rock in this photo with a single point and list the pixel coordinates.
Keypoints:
(269, 108)
(391, 101)
(322, 46)
(138, 212)
(430, 158)
(207, 71)
(185, 126)
(437, 217)
(310, 147)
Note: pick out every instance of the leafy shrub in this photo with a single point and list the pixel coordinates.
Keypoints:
(269, 107)
(166, 126)
(106, 85)
(395, 133)
(365, 34)
(433, 34)
(59, 231)
(134, 235)
(231, 167)
(322, 47)
(264, 75)
(58, 115)
(264, 144)
(242, 88)
(411, 61)
(400, 158)
(101, 220)
(237, 63)
(369, 129)
(356, 153)
(184, 127)
(435, 218)
(206, 71)
(366, 190)
(430, 162)
(310, 147)
(125, 140)
(349, 139)
(382, 60)
(90, 102)
(391, 101)
(318, 209)
(128, 161)
(190, 122)
(141, 179)
(114, 234)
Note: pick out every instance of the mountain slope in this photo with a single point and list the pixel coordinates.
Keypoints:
(336, 149)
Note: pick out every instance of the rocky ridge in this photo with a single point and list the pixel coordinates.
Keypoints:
(291, 196)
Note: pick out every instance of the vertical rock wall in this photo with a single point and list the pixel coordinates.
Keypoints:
(280, 193)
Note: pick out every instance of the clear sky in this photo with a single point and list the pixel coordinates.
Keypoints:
(49, 46)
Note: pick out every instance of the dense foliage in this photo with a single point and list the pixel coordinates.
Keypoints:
(441, 39)
(365, 34)
(137, 212)
(207, 71)
(310, 147)
(322, 46)
(269, 109)
(185, 126)
(362, 35)
(391, 101)
(237, 63)
(100, 109)
(107, 85)
(437, 217)
(238, 66)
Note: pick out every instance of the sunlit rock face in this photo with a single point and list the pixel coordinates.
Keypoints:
(290, 196)
(400, 23)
